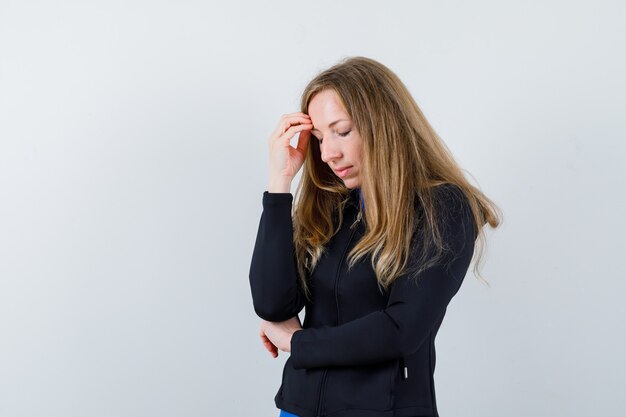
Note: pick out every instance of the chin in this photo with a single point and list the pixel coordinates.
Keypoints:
(351, 184)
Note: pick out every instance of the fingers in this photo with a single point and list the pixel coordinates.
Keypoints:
(303, 140)
(270, 347)
(289, 133)
(288, 120)
(267, 342)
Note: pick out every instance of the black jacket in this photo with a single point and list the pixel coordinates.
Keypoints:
(362, 352)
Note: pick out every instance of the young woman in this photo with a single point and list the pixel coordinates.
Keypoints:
(375, 248)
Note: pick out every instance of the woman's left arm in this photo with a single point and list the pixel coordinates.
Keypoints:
(413, 308)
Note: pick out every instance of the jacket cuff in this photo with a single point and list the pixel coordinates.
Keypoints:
(295, 348)
(271, 199)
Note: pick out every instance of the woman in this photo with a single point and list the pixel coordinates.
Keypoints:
(377, 245)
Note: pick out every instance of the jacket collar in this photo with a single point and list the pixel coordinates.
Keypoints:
(354, 198)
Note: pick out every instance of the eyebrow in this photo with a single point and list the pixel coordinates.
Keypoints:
(331, 124)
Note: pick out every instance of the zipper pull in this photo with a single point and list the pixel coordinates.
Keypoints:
(358, 219)
(405, 369)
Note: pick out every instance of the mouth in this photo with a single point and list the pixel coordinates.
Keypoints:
(343, 172)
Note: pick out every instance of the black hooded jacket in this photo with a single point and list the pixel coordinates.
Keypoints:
(362, 352)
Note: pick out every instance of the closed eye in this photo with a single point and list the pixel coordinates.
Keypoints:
(342, 134)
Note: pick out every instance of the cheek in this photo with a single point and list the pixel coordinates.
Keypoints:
(358, 153)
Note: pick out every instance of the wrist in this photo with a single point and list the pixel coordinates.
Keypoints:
(279, 185)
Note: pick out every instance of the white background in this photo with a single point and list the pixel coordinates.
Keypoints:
(133, 158)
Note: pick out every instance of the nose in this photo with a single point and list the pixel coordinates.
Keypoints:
(329, 151)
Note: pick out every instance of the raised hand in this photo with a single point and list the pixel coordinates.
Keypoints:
(285, 161)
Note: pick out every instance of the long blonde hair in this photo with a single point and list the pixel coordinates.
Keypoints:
(402, 160)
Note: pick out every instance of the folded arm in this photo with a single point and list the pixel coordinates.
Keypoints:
(415, 305)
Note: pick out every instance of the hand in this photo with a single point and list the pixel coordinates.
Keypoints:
(285, 161)
(277, 335)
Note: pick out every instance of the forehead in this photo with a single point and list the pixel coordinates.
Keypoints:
(326, 105)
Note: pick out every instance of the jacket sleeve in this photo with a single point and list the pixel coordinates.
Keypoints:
(413, 308)
(274, 280)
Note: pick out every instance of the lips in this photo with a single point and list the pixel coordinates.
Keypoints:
(342, 172)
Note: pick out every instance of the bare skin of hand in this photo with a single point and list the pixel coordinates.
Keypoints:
(285, 161)
(276, 335)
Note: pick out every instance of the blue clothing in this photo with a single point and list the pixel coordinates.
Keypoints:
(284, 413)
(358, 190)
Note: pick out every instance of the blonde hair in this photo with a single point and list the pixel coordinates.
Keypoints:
(402, 160)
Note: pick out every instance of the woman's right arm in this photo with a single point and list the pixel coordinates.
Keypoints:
(274, 279)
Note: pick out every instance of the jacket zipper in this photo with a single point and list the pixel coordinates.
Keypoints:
(339, 269)
(405, 369)
(404, 374)
(320, 395)
(321, 391)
